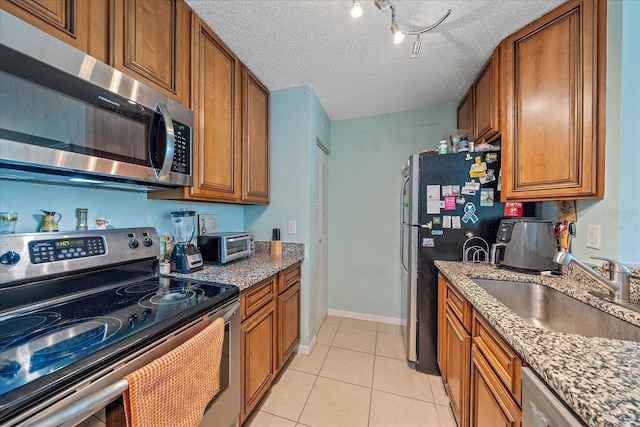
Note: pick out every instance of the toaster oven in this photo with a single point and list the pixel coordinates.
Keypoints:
(221, 248)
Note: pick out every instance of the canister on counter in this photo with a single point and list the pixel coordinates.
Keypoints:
(443, 148)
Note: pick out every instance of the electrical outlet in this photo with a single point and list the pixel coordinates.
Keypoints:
(291, 226)
(593, 236)
(207, 224)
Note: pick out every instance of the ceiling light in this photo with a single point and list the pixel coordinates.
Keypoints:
(398, 36)
(416, 47)
(356, 12)
(398, 32)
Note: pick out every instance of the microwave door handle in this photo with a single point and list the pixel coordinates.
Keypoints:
(163, 175)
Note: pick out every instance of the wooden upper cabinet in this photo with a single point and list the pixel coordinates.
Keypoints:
(255, 140)
(152, 44)
(216, 95)
(464, 114)
(486, 95)
(82, 24)
(554, 139)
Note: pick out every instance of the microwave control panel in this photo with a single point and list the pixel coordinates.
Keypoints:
(182, 153)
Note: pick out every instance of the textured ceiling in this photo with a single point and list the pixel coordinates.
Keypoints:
(353, 65)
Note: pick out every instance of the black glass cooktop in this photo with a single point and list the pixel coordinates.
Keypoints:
(35, 344)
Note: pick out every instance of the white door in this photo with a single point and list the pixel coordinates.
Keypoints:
(321, 234)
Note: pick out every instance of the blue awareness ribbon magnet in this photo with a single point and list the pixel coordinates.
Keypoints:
(470, 213)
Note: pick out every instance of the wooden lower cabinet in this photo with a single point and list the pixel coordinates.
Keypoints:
(288, 323)
(270, 329)
(258, 357)
(456, 380)
(491, 404)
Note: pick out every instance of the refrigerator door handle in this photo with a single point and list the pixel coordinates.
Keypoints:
(403, 220)
(402, 263)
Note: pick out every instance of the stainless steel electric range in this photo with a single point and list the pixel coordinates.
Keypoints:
(80, 310)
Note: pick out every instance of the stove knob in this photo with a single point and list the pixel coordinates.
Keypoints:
(133, 319)
(147, 242)
(133, 243)
(9, 258)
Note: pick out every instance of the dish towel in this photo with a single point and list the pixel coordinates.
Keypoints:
(175, 389)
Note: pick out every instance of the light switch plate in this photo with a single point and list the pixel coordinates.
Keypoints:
(593, 236)
(207, 224)
(291, 226)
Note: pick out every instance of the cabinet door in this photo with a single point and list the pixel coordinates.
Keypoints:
(553, 144)
(63, 19)
(258, 357)
(442, 307)
(456, 379)
(465, 114)
(491, 405)
(152, 44)
(216, 95)
(288, 323)
(255, 140)
(485, 97)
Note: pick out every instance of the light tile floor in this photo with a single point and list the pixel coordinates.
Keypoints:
(356, 375)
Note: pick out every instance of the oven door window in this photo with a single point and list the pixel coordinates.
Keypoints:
(237, 246)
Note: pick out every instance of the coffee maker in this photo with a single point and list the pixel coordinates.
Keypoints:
(185, 257)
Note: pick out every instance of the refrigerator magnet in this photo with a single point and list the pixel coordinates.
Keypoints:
(490, 176)
(455, 222)
(491, 157)
(433, 192)
(449, 203)
(468, 192)
(470, 213)
(455, 190)
(446, 221)
(460, 200)
(513, 209)
(428, 242)
(433, 206)
(437, 220)
(436, 232)
(486, 197)
(447, 190)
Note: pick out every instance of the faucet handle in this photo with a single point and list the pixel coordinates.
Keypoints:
(614, 266)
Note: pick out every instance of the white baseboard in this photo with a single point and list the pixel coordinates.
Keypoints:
(307, 349)
(369, 317)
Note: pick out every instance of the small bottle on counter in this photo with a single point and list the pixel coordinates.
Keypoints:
(471, 146)
(443, 148)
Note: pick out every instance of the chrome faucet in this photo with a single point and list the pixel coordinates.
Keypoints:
(618, 283)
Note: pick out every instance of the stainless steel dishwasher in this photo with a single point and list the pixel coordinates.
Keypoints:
(540, 407)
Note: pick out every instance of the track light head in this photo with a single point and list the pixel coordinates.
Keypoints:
(356, 11)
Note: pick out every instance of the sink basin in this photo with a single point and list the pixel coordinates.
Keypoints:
(549, 309)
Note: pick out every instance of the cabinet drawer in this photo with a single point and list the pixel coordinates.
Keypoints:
(459, 306)
(257, 296)
(504, 361)
(289, 277)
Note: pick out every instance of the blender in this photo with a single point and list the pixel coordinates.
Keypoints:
(185, 257)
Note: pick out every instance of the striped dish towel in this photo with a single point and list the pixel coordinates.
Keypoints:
(175, 389)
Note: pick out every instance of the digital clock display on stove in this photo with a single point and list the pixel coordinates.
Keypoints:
(42, 251)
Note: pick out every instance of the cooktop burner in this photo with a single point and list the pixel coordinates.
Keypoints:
(41, 343)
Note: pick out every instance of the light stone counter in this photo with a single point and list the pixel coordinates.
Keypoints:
(250, 271)
(598, 378)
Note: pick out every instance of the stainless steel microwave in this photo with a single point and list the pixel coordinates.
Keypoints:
(221, 248)
(67, 115)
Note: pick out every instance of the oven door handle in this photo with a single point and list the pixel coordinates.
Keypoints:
(82, 409)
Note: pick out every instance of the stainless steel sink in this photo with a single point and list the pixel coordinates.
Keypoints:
(547, 308)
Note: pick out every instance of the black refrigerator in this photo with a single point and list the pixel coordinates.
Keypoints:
(447, 199)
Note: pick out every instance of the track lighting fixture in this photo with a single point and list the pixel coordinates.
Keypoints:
(396, 30)
(356, 11)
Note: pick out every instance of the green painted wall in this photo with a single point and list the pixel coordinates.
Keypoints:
(297, 121)
(367, 155)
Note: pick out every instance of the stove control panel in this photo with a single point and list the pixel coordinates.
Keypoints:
(34, 256)
(41, 251)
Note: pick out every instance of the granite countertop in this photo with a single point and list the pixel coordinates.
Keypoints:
(598, 378)
(250, 271)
